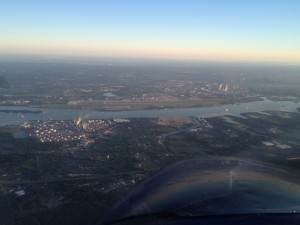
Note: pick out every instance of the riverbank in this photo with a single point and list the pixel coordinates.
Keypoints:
(116, 106)
(205, 112)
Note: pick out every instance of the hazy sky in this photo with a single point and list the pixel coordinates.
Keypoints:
(196, 29)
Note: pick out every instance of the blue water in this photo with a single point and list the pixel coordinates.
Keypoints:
(109, 94)
(70, 114)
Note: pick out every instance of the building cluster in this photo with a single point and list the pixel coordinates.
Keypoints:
(277, 144)
(14, 102)
(202, 125)
(67, 130)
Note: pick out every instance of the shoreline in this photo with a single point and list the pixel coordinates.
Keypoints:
(132, 106)
(205, 112)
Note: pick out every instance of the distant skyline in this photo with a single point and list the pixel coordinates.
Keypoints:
(255, 30)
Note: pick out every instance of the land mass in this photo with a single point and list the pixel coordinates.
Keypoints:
(143, 86)
(84, 167)
(19, 111)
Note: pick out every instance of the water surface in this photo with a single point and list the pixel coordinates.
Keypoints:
(70, 114)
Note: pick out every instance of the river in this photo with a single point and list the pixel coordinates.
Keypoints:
(9, 118)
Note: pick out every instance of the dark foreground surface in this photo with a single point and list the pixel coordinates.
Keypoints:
(75, 172)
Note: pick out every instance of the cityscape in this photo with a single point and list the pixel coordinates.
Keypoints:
(75, 168)
(149, 112)
(122, 87)
(85, 166)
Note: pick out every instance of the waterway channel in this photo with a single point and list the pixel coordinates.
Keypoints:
(11, 116)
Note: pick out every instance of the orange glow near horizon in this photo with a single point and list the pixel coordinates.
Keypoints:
(159, 52)
(171, 29)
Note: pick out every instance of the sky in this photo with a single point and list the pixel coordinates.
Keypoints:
(267, 30)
